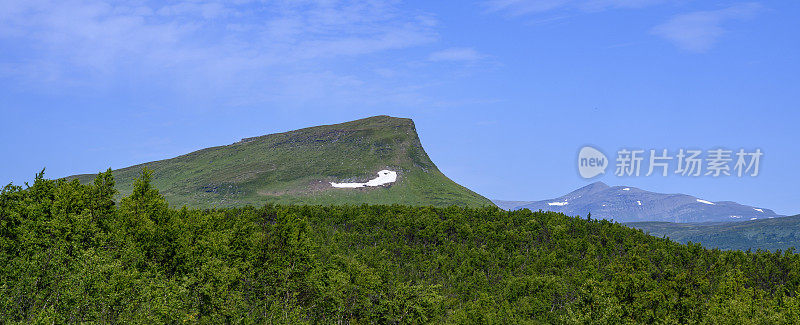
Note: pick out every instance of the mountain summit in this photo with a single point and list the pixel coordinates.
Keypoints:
(329, 164)
(630, 204)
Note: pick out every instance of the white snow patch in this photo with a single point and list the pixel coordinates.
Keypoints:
(753, 218)
(626, 189)
(704, 201)
(384, 177)
(759, 210)
(640, 202)
(736, 217)
(770, 217)
(561, 204)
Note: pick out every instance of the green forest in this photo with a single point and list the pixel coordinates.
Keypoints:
(75, 253)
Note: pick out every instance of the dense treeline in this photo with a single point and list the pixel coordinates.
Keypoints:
(766, 234)
(70, 253)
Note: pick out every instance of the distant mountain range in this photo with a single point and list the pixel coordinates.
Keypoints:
(329, 164)
(764, 234)
(630, 204)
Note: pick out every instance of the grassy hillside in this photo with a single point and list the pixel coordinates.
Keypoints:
(296, 166)
(768, 234)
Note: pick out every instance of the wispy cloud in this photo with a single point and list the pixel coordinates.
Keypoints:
(699, 31)
(456, 54)
(240, 46)
(526, 7)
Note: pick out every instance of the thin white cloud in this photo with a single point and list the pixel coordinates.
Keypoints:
(456, 54)
(529, 7)
(243, 47)
(699, 31)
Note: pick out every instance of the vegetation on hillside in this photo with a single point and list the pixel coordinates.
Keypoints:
(295, 168)
(765, 234)
(69, 253)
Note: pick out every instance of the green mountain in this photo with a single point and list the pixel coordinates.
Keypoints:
(767, 234)
(296, 167)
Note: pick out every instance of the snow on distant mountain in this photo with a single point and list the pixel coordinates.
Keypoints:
(630, 204)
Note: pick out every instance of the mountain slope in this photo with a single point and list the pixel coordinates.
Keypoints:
(768, 234)
(630, 204)
(298, 166)
(510, 205)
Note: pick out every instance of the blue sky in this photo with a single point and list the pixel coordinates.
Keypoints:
(504, 92)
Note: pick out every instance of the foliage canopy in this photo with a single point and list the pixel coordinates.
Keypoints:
(68, 254)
